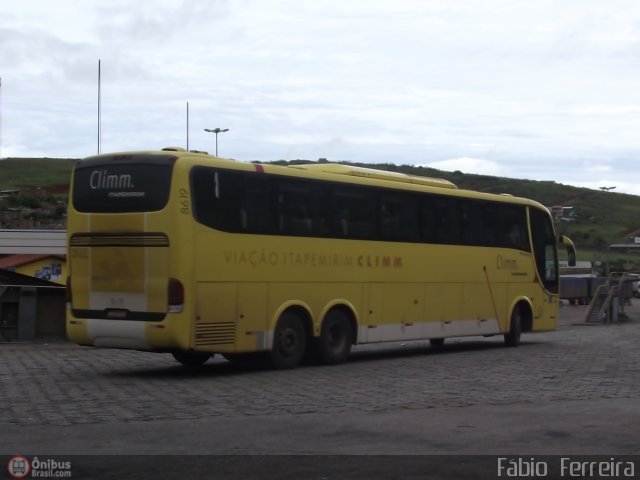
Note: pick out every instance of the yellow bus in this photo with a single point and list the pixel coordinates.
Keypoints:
(185, 253)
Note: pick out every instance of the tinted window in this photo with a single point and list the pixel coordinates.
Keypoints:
(295, 207)
(440, 222)
(353, 210)
(511, 227)
(132, 183)
(232, 201)
(251, 202)
(399, 219)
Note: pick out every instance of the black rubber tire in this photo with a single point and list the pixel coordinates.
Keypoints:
(336, 337)
(436, 342)
(192, 359)
(289, 342)
(512, 338)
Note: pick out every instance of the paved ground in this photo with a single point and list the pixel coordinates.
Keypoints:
(570, 392)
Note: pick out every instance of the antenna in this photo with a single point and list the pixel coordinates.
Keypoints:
(99, 116)
(187, 126)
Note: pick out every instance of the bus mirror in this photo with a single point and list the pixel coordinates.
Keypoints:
(571, 249)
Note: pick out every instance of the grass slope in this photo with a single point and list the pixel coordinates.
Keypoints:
(34, 172)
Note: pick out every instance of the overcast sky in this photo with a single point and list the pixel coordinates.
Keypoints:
(545, 90)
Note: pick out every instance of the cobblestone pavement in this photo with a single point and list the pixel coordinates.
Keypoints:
(575, 389)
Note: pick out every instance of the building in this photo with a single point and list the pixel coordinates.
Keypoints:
(30, 307)
(10, 216)
(33, 273)
(563, 214)
(628, 243)
(52, 268)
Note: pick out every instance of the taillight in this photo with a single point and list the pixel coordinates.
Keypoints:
(175, 295)
(68, 290)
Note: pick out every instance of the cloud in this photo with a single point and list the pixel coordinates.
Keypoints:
(543, 90)
(594, 168)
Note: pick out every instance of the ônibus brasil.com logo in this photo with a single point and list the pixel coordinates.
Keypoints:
(20, 466)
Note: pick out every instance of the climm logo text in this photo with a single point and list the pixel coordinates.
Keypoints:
(103, 180)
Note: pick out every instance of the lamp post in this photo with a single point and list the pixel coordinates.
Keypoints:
(216, 131)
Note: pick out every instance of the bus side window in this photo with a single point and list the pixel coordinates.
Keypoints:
(471, 232)
(343, 222)
(486, 215)
(321, 211)
(446, 221)
(255, 206)
(294, 220)
(214, 202)
(294, 209)
(390, 221)
(427, 221)
(399, 217)
(514, 236)
(353, 213)
(515, 228)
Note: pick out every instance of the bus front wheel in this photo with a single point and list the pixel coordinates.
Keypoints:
(336, 338)
(192, 359)
(512, 337)
(289, 342)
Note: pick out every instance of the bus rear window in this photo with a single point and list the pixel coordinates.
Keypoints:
(130, 183)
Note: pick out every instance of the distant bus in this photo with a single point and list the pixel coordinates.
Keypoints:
(193, 255)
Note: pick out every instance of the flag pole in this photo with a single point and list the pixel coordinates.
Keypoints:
(99, 112)
(0, 117)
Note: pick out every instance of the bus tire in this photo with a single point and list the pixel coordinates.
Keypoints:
(289, 342)
(335, 340)
(436, 342)
(512, 337)
(192, 359)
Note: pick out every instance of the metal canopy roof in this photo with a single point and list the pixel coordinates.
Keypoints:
(33, 241)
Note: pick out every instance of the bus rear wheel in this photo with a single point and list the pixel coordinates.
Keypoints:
(192, 359)
(512, 338)
(334, 344)
(289, 342)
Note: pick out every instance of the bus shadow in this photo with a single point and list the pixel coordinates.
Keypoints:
(422, 349)
(178, 371)
(360, 355)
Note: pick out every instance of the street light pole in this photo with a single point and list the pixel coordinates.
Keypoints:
(216, 131)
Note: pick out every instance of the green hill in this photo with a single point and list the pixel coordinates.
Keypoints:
(602, 217)
(34, 172)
